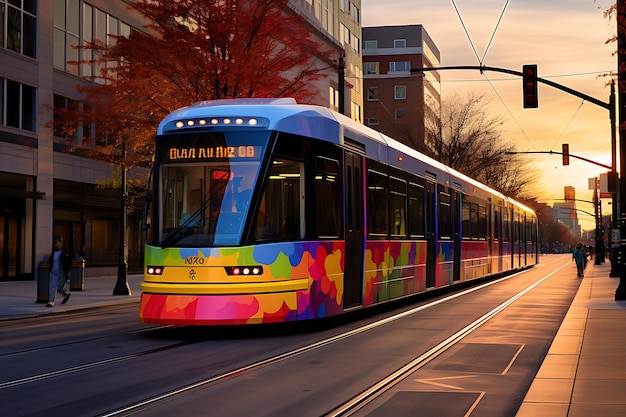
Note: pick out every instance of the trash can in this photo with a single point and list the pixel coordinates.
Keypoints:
(43, 282)
(77, 280)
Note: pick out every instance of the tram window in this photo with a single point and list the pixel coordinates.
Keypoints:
(482, 222)
(281, 212)
(416, 210)
(506, 217)
(377, 219)
(474, 226)
(445, 216)
(466, 219)
(397, 206)
(328, 198)
(496, 224)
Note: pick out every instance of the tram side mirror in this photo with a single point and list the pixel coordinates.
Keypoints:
(147, 202)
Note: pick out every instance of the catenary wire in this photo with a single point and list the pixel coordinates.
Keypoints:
(494, 31)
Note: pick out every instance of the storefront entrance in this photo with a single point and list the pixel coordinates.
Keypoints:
(11, 246)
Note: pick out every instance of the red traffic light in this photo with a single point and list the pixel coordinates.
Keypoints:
(529, 86)
(565, 154)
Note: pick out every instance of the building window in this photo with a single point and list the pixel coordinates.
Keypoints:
(344, 34)
(356, 112)
(355, 42)
(400, 113)
(67, 129)
(372, 93)
(20, 33)
(371, 67)
(399, 43)
(372, 121)
(399, 92)
(334, 98)
(21, 109)
(356, 14)
(66, 34)
(370, 44)
(402, 66)
(77, 23)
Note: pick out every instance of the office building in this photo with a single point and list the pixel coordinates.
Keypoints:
(46, 189)
(396, 100)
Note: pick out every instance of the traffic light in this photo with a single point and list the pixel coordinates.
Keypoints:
(565, 154)
(529, 86)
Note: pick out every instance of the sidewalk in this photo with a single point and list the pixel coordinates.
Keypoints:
(584, 373)
(18, 299)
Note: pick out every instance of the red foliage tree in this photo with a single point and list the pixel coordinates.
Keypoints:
(194, 50)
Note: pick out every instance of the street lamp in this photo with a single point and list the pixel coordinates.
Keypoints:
(121, 285)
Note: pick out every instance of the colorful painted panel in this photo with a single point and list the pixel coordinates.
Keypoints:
(393, 269)
(319, 262)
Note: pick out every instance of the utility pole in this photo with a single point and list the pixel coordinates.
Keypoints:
(620, 292)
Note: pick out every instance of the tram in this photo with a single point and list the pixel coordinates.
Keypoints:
(265, 210)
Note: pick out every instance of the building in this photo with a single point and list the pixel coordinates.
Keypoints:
(397, 101)
(45, 189)
(566, 213)
(339, 23)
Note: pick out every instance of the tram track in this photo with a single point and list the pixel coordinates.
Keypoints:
(91, 365)
(375, 391)
(82, 340)
(354, 404)
(162, 368)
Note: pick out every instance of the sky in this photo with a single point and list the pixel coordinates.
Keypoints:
(567, 39)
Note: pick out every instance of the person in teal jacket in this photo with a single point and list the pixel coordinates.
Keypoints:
(579, 257)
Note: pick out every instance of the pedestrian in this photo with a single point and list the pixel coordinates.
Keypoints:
(60, 262)
(580, 258)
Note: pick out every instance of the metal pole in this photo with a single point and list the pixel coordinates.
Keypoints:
(613, 251)
(121, 286)
(620, 292)
(342, 84)
(599, 250)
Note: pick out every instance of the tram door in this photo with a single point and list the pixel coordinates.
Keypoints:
(354, 229)
(431, 235)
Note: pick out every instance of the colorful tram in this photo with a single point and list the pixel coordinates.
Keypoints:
(265, 210)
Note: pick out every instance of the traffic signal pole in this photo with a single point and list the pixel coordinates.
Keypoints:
(529, 74)
(620, 292)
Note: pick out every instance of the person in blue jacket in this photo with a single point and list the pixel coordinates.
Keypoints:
(60, 269)
(580, 258)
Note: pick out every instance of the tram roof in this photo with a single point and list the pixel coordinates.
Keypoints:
(286, 115)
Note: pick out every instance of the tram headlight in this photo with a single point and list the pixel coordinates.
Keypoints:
(243, 270)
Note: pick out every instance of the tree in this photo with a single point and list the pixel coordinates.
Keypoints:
(191, 50)
(466, 138)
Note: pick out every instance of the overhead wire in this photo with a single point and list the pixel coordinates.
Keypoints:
(568, 123)
(469, 38)
(493, 34)
(509, 111)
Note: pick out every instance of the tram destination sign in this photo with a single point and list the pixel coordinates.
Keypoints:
(204, 153)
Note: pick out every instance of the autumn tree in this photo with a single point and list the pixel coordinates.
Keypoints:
(192, 50)
(465, 137)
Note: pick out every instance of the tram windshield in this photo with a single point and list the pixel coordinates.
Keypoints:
(206, 184)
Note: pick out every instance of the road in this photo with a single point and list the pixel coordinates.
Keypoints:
(475, 350)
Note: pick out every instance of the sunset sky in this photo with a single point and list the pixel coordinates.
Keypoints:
(565, 38)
